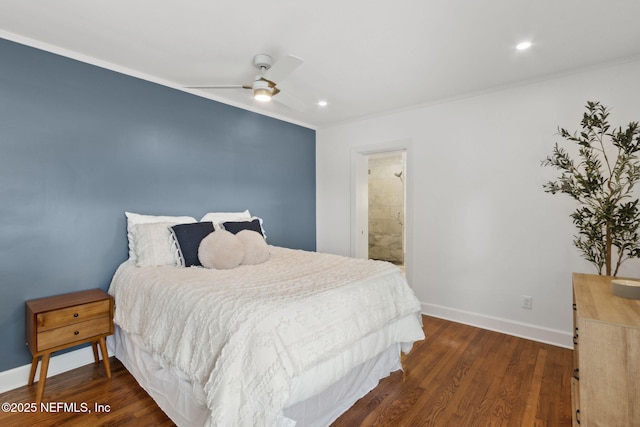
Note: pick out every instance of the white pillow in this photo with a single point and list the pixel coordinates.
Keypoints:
(134, 218)
(256, 250)
(220, 250)
(219, 217)
(154, 244)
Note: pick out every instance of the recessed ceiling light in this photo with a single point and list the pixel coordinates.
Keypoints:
(523, 45)
(322, 103)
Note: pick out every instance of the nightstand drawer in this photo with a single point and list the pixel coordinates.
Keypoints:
(68, 334)
(71, 315)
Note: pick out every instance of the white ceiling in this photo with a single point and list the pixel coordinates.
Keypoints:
(364, 57)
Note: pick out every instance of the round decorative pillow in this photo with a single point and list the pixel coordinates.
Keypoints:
(220, 250)
(256, 250)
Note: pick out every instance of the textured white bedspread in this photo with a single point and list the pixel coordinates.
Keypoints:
(245, 333)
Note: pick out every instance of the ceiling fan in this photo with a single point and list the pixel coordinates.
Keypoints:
(264, 86)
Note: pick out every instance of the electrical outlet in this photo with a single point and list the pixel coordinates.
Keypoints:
(526, 301)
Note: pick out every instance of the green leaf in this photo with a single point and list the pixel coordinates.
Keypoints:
(602, 184)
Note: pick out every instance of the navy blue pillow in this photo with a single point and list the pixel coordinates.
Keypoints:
(237, 226)
(188, 238)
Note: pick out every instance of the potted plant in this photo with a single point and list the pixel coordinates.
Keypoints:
(602, 183)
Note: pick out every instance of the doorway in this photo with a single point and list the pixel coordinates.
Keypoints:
(360, 157)
(386, 197)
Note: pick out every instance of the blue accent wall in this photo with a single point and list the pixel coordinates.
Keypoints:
(80, 145)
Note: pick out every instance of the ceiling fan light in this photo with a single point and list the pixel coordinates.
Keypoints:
(262, 95)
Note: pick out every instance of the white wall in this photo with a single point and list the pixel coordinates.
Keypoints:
(484, 231)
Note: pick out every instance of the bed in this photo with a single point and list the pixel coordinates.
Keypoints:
(291, 341)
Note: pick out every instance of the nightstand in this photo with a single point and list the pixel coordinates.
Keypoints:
(64, 321)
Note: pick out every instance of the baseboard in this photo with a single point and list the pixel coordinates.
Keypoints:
(505, 326)
(18, 377)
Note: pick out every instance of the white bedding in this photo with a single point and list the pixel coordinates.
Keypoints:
(245, 334)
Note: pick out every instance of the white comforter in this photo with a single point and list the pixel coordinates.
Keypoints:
(243, 334)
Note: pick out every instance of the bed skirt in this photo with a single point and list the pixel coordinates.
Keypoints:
(184, 402)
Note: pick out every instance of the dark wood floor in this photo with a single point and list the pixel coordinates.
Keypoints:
(464, 376)
(459, 376)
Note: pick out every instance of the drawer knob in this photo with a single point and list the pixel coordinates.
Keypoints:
(76, 332)
(75, 314)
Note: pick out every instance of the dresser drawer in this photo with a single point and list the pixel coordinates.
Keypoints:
(71, 315)
(68, 334)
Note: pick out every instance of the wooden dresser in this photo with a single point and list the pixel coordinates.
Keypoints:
(63, 321)
(605, 390)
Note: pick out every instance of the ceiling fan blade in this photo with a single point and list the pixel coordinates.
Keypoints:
(220, 87)
(290, 101)
(281, 69)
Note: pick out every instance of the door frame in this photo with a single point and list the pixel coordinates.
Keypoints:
(360, 200)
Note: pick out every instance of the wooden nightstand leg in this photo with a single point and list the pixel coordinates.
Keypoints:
(105, 357)
(94, 346)
(34, 366)
(43, 377)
